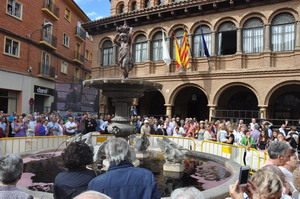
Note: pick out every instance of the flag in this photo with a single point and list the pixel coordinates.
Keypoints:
(206, 52)
(185, 49)
(177, 52)
(166, 54)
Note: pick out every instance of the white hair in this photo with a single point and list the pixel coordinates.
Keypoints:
(117, 150)
(187, 193)
(11, 168)
(92, 195)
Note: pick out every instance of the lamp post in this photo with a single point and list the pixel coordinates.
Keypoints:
(44, 26)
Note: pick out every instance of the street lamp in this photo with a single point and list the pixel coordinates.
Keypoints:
(44, 26)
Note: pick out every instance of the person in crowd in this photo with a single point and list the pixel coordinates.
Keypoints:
(248, 141)
(296, 183)
(253, 122)
(66, 116)
(209, 134)
(90, 124)
(294, 133)
(3, 126)
(98, 122)
(122, 180)
(43, 129)
(279, 154)
(11, 169)
(81, 127)
(255, 133)
(169, 127)
(239, 134)
(288, 169)
(13, 126)
(92, 195)
(53, 126)
(263, 141)
(39, 120)
(187, 193)
(71, 127)
(282, 129)
(264, 184)
(161, 130)
(75, 180)
(201, 131)
(288, 139)
(181, 131)
(20, 127)
(222, 134)
(230, 136)
(241, 123)
(31, 125)
(62, 128)
(9, 121)
(145, 129)
(154, 127)
(267, 125)
(274, 135)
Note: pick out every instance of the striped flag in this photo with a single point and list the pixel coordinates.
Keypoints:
(206, 52)
(177, 51)
(185, 49)
(166, 54)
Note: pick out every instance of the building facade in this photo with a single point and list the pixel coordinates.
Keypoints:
(42, 43)
(253, 71)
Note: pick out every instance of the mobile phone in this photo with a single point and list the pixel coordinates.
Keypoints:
(244, 175)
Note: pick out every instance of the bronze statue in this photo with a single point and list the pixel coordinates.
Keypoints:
(123, 40)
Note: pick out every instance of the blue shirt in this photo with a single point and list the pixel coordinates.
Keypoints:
(53, 125)
(124, 181)
(3, 126)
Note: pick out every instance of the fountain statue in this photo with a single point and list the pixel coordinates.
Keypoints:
(122, 91)
(141, 143)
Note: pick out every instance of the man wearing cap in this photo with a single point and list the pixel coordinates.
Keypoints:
(145, 129)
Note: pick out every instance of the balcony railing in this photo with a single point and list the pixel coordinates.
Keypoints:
(80, 32)
(46, 70)
(51, 9)
(49, 40)
(78, 57)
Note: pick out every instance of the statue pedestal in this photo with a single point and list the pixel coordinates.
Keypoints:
(173, 175)
(173, 167)
(142, 154)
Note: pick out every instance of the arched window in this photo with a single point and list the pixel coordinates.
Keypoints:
(121, 8)
(253, 36)
(198, 43)
(133, 6)
(283, 32)
(179, 35)
(146, 4)
(107, 50)
(227, 39)
(157, 50)
(140, 48)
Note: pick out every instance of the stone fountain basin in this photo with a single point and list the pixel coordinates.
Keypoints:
(217, 192)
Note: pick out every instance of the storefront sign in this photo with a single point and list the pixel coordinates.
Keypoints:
(43, 90)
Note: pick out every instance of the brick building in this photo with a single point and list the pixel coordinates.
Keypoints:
(253, 71)
(42, 44)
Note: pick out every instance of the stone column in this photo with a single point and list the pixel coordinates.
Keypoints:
(168, 110)
(297, 46)
(212, 112)
(267, 38)
(238, 39)
(263, 112)
(148, 50)
(213, 43)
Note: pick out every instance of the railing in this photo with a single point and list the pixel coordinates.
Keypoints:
(46, 70)
(255, 159)
(78, 56)
(24, 144)
(80, 32)
(185, 142)
(245, 114)
(52, 7)
(49, 39)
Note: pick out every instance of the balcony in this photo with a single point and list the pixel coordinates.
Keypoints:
(80, 33)
(79, 58)
(51, 9)
(49, 40)
(46, 71)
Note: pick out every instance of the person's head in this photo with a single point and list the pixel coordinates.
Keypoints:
(20, 119)
(92, 195)
(253, 120)
(54, 118)
(279, 152)
(275, 133)
(264, 133)
(241, 122)
(11, 169)
(117, 150)
(256, 126)
(187, 193)
(71, 119)
(77, 155)
(280, 137)
(268, 183)
(293, 162)
(146, 122)
(229, 130)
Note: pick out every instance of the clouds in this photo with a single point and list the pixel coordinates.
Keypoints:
(95, 9)
(94, 15)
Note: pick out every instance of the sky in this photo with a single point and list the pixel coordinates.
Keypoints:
(95, 9)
